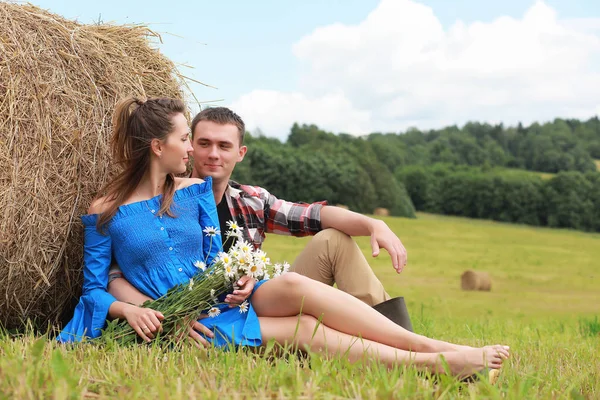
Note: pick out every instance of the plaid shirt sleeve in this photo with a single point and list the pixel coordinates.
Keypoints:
(287, 218)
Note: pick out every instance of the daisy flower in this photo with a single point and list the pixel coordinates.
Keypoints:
(233, 226)
(277, 269)
(244, 307)
(200, 265)
(255, 270)
(245, 258)
(235, 234)
(286, 267)
(211, 231)
(213, 312)
(244, 247)
(191, 285)
(226, 258)
(261, 256)
(229, 272)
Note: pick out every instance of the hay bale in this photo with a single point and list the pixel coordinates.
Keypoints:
(382, 212)
(476, 280)
(342, 206)
(59, 83)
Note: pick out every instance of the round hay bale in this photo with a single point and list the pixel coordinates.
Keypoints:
(476, 280)
(382, 212)
(59, 83)
(342, 206)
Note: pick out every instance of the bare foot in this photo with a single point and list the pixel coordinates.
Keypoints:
(463, 363)
(459, 347)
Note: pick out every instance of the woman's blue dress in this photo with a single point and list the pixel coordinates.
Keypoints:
(155, 253)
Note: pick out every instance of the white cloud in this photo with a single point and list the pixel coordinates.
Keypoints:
(400, 68)
(275, 112)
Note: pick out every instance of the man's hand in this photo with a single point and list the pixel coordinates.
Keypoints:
(245, 284)
(383, 237)
(145, 321)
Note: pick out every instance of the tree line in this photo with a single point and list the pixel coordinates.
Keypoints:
(569, 199)
(477, 171)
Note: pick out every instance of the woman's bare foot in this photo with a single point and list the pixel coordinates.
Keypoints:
(463, 363)
(459, 347)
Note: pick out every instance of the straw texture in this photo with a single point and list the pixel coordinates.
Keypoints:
(59, 83)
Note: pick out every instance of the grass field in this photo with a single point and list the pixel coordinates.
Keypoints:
(517, 171)
(544, 303)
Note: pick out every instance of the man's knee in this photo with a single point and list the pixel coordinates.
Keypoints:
(293, 280)
(333, 237)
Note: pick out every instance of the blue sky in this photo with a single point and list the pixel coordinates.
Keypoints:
(269, 52)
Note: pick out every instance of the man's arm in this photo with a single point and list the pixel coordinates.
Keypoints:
(124, 291)
(301, 219)
(354, 224)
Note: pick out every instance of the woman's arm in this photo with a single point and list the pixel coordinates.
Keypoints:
(92, 310)
(208, 217)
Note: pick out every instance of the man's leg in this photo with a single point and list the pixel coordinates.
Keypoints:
(333, 257)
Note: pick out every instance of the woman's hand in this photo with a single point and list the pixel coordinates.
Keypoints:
(145, 321)
(195, 337)
(245, 284)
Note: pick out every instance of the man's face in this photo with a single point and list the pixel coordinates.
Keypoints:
(216, 150)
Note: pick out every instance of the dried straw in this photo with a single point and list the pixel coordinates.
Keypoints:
(382, 212)
(476, 280)
(59, 82)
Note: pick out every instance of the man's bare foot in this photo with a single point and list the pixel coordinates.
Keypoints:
(463, 363)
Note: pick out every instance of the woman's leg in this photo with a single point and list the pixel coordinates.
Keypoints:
(307, 333)
(290, 294)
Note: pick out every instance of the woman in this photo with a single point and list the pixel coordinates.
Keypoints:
(151, 139)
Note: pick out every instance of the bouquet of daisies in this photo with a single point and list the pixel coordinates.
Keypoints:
(184, 303)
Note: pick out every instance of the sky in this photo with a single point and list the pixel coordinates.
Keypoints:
(361, 66)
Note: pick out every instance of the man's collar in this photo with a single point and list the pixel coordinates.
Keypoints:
(234, 189)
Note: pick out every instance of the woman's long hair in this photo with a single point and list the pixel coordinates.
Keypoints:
(135, 124)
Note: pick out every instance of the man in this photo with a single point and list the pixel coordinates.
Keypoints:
(330, 257)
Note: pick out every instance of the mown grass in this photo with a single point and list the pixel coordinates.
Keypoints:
(544, 303)
(517, 171)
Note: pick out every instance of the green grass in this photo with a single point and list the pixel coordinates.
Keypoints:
(544, 303)
(517, 171)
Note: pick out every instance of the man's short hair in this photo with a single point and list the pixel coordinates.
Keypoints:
(221, 116)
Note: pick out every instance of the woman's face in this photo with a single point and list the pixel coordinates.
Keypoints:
(177, 146)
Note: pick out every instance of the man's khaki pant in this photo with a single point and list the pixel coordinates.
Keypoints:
(333, 257)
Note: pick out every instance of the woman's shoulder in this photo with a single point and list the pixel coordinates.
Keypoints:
(192, 187)
(182, 183)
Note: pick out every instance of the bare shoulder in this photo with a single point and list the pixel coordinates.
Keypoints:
(99, 205)
(181, 183)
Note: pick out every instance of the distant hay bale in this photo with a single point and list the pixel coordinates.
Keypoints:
(59, 82)
(382, 212)
(342, 206)
(476, 280)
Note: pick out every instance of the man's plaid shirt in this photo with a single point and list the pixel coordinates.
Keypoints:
(258, 212)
